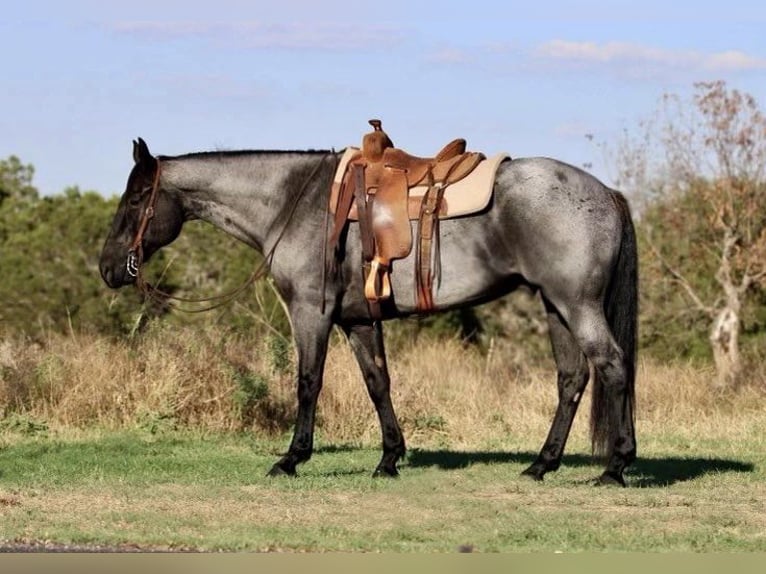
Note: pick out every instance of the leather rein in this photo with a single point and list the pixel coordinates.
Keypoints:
(135, 259)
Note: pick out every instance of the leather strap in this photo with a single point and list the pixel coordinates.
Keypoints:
(369, 268)
(342, 210)
(363, 208)
(147, 216)
(427, 225)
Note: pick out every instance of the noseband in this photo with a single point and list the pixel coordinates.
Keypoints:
(136, 251)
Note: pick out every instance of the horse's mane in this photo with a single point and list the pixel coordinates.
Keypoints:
(239, 153)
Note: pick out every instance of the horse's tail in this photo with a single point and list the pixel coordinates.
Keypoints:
(621, 308)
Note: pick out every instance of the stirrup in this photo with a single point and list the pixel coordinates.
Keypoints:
(374, 290)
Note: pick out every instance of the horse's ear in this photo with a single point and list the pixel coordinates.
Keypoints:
(141, 151)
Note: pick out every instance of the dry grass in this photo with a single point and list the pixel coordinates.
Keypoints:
(443, 392)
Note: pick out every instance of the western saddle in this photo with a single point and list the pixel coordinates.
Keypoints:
(375, 190)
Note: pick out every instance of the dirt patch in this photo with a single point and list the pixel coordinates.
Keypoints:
(47, 546)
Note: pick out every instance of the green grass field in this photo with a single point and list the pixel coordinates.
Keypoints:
(183, 491)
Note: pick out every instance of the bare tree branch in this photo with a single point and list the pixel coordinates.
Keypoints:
(750, 279)
(681, 280)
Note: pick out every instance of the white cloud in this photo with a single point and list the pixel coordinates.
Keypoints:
(254, 34)
(162, 30)
(633, 55)
(734, 60)
(449, 56)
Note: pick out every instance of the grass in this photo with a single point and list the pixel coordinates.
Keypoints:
(209, 492)
(165, 444)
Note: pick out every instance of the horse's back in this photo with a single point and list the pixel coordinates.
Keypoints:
(546, 191)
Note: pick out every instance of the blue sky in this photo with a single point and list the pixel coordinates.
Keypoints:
(81, 78)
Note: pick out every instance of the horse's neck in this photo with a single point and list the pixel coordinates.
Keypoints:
(241, 194)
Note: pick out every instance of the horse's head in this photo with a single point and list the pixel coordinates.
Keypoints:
(147, 218)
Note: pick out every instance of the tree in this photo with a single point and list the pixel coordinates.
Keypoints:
(16, 181)
(49, 249)
(707, 157)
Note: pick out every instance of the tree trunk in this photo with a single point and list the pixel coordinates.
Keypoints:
(724, 339)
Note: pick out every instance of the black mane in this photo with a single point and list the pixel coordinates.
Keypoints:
(238, 153)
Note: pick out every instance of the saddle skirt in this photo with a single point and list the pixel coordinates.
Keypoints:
(471, 194)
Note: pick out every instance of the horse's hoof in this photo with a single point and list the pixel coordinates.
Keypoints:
(277, 470)
(384, 472)
(533, 473)
(610, 479)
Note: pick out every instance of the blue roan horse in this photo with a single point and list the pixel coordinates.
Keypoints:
(550, 226)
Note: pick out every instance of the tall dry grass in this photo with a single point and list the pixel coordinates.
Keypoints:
(208, 378)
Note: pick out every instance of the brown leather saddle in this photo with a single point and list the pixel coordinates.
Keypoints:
(375, 186)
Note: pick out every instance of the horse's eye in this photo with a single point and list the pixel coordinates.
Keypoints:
(135, 199)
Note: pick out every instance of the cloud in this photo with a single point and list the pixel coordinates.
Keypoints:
(449, 56)
(734, 60)
(262, 35)
(635, 55)
(162, 30)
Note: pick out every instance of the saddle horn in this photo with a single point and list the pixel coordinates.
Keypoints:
(375, 142)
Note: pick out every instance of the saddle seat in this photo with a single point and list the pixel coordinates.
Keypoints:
(380, 157)
(375, 189)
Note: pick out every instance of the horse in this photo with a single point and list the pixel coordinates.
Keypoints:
(550, 227)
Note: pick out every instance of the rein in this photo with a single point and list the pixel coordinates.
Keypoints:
(136, 253)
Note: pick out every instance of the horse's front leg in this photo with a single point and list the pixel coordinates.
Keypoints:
(367, 342)
(311, 331)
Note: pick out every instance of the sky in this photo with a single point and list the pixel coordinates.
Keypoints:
(81, 79)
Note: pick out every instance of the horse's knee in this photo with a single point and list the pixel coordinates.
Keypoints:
(571, 384)
(308, 389)
(607, 360)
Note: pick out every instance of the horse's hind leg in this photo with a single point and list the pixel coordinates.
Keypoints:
(612, 427)
(572, 372)
(367, 343)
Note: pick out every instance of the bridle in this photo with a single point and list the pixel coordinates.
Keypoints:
(135, 256)
(136, 251)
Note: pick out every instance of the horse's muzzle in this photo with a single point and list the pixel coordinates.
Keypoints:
(115, 276)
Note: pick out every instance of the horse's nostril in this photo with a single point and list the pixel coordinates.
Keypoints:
(107, 275)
